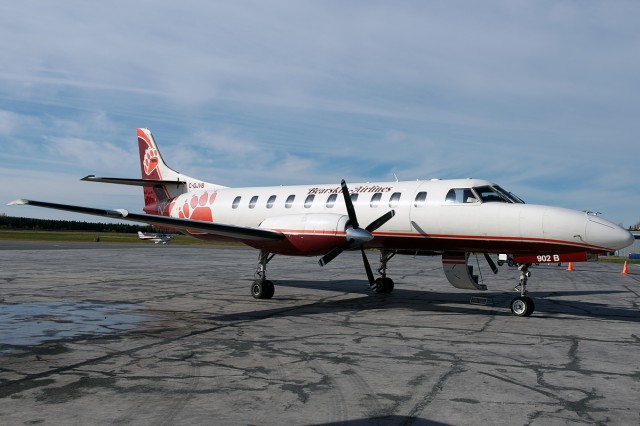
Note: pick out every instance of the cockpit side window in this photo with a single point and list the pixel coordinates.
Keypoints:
(460, 196)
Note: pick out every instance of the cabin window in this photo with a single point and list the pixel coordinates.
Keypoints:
(308, 201)
(236, 202)
(253, 201)
(331, 200)
(375, 200)
(289, 201)
(354, 198)
(460, 196)
(270, 201)
(420, 199)
(394, 200)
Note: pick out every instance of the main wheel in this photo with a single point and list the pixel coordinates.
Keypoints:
(262, 289)
(522, 306)
(384, 285)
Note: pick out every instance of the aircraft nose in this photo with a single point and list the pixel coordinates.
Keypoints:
(606, 234)
(626, 239)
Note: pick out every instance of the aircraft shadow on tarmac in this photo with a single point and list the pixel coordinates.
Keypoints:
(549, 303)
(392, 420)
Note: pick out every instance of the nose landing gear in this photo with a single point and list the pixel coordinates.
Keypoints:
(523, 306)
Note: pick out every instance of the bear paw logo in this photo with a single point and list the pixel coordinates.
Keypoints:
(197, 207)
(150, 162)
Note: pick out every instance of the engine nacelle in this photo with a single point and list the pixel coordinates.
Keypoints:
(308, 234)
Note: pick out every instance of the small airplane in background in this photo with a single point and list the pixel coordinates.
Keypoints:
(448, 218)
(156, 238)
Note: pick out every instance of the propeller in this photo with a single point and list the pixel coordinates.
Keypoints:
(356, 236)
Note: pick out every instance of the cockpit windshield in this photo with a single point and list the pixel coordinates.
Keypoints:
(488, 194)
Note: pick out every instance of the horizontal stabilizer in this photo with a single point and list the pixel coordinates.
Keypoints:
(134, 182)
(241, 233)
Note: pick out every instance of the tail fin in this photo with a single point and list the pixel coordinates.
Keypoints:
(153, 167)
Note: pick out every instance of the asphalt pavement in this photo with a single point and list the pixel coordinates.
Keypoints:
(94, 333)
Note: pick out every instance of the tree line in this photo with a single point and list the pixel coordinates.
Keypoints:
(10, 223)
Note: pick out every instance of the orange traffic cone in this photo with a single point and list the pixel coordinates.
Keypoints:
(570, 267)
(625, 269)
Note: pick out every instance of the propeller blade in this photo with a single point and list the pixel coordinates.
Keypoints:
(491, 263)
(347, 200)
(331, 255)
(380, 221)
(367, 267)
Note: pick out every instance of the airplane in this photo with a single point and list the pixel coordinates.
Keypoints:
(449, 218)
(156, 238)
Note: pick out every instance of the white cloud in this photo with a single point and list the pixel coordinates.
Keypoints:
(89, 154)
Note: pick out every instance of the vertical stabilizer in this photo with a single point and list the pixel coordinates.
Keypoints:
(151, 163)
(153, 167)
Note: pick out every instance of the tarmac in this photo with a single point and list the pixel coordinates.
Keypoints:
(96, 333)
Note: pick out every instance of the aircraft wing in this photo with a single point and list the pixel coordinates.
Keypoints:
(244, 233)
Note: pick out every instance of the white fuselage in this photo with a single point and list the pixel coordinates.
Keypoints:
(434, 215)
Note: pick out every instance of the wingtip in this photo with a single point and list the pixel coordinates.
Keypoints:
(19, 202)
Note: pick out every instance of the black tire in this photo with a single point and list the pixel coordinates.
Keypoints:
(270, 289)
(384, 285)
(262, 289)
(257, 289)
(522, 306)
(531, 305)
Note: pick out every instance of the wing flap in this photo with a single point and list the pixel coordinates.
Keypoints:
(244, 233)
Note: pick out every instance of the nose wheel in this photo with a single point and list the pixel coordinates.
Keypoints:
(522, 306)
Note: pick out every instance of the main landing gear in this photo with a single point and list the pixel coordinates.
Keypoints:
(523, 305)
(262, 288)
(383, 284)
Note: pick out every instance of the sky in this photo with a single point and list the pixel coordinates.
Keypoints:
(541, 97)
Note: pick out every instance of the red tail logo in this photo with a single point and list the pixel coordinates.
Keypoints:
(150, 161)
(149, 156)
